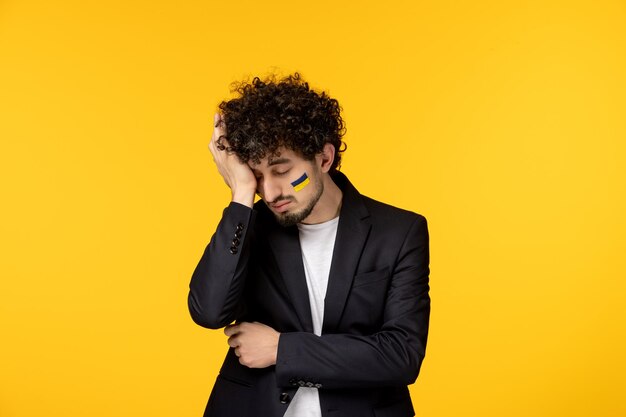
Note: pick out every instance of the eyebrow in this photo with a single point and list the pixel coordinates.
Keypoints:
(278, 161)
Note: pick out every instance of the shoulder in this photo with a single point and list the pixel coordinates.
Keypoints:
(394, 231)
(391, 215)
(376, 210)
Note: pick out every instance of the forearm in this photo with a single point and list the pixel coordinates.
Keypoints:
(387, 358)
(216, 286)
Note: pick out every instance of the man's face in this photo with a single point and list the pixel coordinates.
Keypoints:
(290, 185)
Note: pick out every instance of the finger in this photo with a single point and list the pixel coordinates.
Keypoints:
(231, 329)
(217, 119)
(211, 145)
(218, 127)
(237, 353)
(214, 152)
(220, 121)
(233, 342)
(221, 143)
(219, 133)
(218, 140)
(212, 148)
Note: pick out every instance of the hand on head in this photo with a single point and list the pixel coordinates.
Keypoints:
(237, 175)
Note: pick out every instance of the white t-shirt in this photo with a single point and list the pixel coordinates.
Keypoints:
(317, 242)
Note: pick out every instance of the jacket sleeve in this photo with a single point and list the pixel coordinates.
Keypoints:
(217, 283)
(390, 357)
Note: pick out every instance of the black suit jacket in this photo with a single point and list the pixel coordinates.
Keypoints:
(375, 316)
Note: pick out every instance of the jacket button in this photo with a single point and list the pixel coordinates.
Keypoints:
(240, 227)
(236, 242)
(293, 382)
(301, 383)
(309, 384)
(318, 385)
(284, 398)
(233, 250)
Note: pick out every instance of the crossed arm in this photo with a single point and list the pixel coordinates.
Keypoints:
(391, 356)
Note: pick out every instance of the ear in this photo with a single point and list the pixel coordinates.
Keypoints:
(326, 157)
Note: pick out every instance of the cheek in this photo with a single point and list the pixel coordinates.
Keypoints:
(306, 194)
(301, 183)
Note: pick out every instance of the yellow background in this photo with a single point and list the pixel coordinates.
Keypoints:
(503, 122)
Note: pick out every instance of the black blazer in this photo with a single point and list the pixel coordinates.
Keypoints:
(376, 311)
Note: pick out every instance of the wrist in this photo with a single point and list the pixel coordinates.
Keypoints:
(244, 197)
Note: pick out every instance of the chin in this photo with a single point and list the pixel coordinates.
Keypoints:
(291, 218)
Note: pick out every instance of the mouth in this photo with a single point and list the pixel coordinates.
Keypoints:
(281, 206)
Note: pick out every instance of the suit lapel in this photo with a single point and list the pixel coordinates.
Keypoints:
(285, 243)
(352, 232)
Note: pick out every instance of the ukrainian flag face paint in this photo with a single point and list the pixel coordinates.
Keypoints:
(301, 182)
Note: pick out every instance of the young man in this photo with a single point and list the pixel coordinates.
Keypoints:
(328, 289)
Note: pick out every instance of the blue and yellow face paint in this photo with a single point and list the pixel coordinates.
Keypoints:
(301, 182)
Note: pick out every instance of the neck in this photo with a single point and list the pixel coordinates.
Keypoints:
(329, 204)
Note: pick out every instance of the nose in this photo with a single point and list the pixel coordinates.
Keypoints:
(269, 190)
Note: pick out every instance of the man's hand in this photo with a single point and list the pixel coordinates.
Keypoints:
(256, 345)
(237, 175)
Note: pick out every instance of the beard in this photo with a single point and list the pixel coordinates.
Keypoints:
(290, 219)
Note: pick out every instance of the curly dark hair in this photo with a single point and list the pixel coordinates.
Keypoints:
(269, 114)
